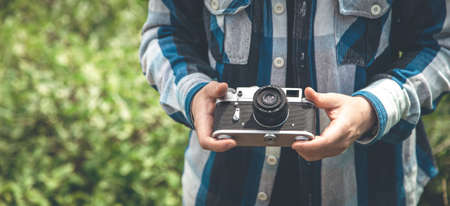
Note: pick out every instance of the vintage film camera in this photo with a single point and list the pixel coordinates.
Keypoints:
(264, 116)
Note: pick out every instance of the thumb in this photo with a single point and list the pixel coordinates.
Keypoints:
(322, 100)
(216, 89)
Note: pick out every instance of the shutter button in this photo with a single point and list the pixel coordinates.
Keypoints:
(215, 4)
(375, 9)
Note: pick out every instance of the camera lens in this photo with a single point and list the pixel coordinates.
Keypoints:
(269, 99)
(270, 108)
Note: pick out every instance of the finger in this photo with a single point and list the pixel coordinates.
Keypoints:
(323, 100)
(204, 126)
(328, 144)
(216, 89)
(204, 130)
(216, 145)
(313, 150)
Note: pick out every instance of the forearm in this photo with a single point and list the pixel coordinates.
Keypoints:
(418, 79)
(173, 56)
(401, 96)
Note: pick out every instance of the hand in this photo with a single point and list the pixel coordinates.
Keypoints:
(350, 118)
(202, 108)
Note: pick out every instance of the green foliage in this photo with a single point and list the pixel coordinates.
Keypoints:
(79, 124)
(437, 125)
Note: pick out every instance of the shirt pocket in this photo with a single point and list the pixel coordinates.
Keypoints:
(229, 29)
(359, 26)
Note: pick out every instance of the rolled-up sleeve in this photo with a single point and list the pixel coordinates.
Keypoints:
(418, 79)
(173, 54)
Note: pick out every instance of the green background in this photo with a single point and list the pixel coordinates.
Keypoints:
(79, 124)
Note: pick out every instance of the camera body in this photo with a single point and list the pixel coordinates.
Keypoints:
(264, 116)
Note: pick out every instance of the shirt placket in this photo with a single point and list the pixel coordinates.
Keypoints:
(300, 50)
(278, 77)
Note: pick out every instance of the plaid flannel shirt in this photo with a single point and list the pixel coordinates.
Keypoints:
(344, 46)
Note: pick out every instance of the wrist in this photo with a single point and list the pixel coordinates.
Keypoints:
(190, 99)
(369, 114)
(372, 130)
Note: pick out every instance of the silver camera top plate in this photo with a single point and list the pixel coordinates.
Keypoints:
(245, 94)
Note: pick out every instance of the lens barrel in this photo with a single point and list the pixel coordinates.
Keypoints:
(270, 107)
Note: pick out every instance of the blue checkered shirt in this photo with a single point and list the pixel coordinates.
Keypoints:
(395, 53)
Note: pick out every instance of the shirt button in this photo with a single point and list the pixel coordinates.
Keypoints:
(302, 56)
(271, 160)
(375, 9)
(262, 196)
(278, 8)
(278, 62)
(215, 4)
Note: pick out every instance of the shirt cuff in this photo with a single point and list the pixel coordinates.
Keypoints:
(389, 101)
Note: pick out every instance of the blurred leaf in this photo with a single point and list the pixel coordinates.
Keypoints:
(79, 125)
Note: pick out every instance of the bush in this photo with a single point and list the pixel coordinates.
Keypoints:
(437, 125)
(79, 125)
